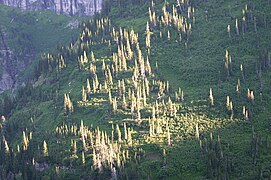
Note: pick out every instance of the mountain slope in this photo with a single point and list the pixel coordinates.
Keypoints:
(25, 35)
(186, 98)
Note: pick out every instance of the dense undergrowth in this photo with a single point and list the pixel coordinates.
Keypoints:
(162, 91)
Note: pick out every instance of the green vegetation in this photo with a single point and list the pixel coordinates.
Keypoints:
(166, 91)
(30, 33)
(42, 31)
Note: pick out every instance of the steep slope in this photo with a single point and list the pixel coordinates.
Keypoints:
(7, 72)
(26, 34)
(188, 97)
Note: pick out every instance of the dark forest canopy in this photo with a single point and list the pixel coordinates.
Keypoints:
(148, 90)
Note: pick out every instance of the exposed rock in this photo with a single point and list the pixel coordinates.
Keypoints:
(68, 7)
(11, 65)
(6, 82)
(73, 24)
(6, 63)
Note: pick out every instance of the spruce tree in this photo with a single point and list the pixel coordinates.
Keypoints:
(84, 94)
(45, 149)
(211, 97)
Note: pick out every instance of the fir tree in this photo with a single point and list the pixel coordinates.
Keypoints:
(84, 94)
(45, 149)
(25, 141)
(211, 97)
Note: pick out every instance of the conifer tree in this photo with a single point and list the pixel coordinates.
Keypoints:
(182, 96)
(147, 86)
(94, 158)
(236, 26)
(228, 103)
(255, 24)
(150, 127)
(103, 66)
(170, 106)
(148, 66)
(211, 97)
(229, 30)
(80, 62)
(248, 94)
(242, 72)
(68, 106)
(25, 141)
(92, 70)
(73, 147)
(85, 58)
(115, 105)
(124, 62)
(105, 86)
(229, 106)
(148, 36)
(227, 63)
(252, 97)
(88, 89)
(83, 136)
(61, 63)
(124, 104)
(138, 116)
(153, 113)
(238, 87)
(246, 116)
(83, 158)
(84, 95)
(158, 127)
(118, 161)
(118, 132)
(109, 76)
(144, 95)
(167, 87)
(197, 132)
(94, 86)
(96, 80)
(129, 137)
(168, 35)
(174, 110)
(45, 149)
(168, 134)
(2, 119)
(110, 96)
(6, 147)
(244, 24)
(92, 58)
(125, 131)
(123, 86)
(119, 88)
(129, 50)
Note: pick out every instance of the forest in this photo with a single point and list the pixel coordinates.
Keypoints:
(157, 89)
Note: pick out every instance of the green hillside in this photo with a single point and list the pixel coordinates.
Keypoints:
(149, 90)
(30, 33)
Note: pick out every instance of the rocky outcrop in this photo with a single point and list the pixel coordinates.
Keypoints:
(68, 7)
(11, 65)
(14, 63)
(7, 76)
